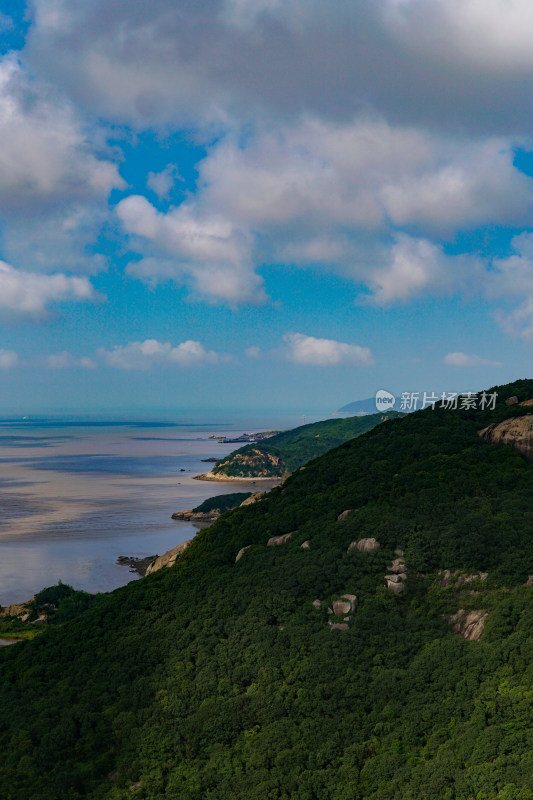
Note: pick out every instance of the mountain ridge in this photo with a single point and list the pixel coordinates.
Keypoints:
(223, 679)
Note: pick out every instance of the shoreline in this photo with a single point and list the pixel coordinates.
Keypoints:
(208, 476)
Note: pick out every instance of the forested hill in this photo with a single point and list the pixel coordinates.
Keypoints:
(285, 452)
(298, 672)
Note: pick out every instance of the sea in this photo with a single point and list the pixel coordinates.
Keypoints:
(77, 494)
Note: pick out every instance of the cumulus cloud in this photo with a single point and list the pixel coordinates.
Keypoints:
(32, 293)
(210, 253)
(253, 352)
(362, 173)
(143, 355)
(8, 359)
(66, 360)
(412, 267)
(464, 360)
(330, 195)
(490, 35)
(161, 183)
(45, 155)
(518, 321)
(236, 58)
(310, 351)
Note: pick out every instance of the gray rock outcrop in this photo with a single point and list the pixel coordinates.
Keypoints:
(168, 559)
(397, 566)
(305, 545)
(197, 516)
(459, 578)
(241, 552)
(517, 431)
(469, 624)
(277, 540)
(341, 607)
(344, 514)
(254, 498)
(367, 545)
(352, 599)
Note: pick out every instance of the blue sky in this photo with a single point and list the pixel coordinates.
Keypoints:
(262, 205)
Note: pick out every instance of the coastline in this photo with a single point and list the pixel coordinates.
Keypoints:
(209, 476)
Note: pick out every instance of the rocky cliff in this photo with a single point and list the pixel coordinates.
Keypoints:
(518, 432)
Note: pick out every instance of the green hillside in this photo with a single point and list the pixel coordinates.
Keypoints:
(285, 452)
(222, 502)
(217, 680)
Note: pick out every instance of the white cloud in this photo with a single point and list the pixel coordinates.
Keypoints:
(361, 174)
(210, 254)
(31, 293)
(143, 355)
(8, 359)
(416, 266)
(66, 360)
(465, 360)
(519, 321)
(319, 194)
(181, 62)
(253, 352)
(310, 351)
(161, 183)
(45, 155)
(491, 35)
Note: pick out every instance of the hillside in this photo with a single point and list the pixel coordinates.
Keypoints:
(298, 672)
(285, 452)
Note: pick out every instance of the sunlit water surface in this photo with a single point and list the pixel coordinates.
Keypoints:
(73, 498)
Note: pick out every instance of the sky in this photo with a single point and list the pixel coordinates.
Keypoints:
(262, 205)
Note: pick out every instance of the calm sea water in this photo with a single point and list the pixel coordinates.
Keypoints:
(74, 497)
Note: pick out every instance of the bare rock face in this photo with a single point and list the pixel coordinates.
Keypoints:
(511, 401)
(305, 545)
(254, 498)
(344, 514)
(15, 610)
(317, 604)
(342, 607)
(241, 552)
(394, 578)
(396, 587)
(352, 599)
(529, 581)
(460, 578)
(168, 559)
(518, 432)
(469, 624)
(526, 403)
(397, 566)
(338, 626)
(277, 540)
(365, 545)
(197, 516)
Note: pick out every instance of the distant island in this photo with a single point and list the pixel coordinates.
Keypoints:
(285, 452)
(368, 406)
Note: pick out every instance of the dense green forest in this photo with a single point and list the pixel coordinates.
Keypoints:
(222, 502)
(217, 680)
(285, 452)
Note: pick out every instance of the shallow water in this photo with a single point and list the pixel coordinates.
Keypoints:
(73, 498)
